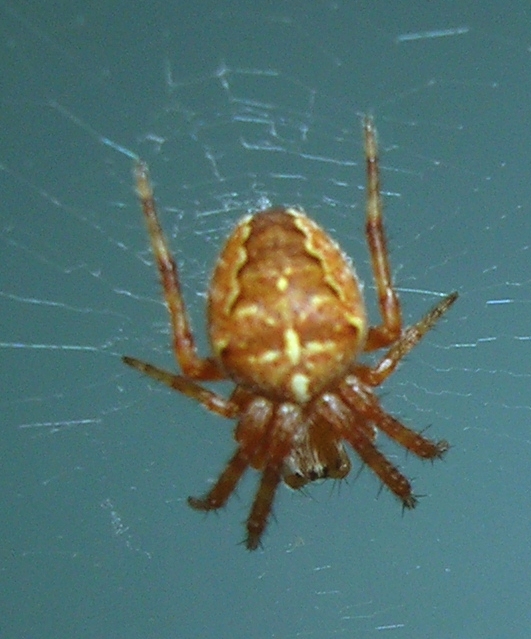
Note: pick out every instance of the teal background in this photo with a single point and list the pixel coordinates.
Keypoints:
(234, 104)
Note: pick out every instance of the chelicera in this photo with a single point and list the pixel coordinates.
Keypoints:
(287, 324)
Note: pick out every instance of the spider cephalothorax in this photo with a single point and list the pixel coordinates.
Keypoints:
(287, 322)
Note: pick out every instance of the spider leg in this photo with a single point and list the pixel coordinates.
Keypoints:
(363, 402)
(410, 439)
(389, 474)
(218, 495)
(408, 340)
(212, 401)
(261, 509)
(389, 330)
(193, 366)
(350, 414)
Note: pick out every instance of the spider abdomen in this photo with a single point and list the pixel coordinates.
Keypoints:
(286, 313)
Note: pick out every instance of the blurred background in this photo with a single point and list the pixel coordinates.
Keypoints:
(235, 107)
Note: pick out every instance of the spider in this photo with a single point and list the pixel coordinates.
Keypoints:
(287, 324)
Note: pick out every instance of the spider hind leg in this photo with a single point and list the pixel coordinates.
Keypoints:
(262, 505)
(383, 468)
(218, 495)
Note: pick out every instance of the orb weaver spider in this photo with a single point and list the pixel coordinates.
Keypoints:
(287, 324)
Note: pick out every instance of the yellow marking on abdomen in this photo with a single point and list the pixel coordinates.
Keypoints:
(293, 345)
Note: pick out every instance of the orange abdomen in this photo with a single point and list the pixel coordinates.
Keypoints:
(286, 314)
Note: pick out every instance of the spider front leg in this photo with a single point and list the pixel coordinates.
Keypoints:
(193, 366)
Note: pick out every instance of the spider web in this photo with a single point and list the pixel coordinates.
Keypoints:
(235, 109)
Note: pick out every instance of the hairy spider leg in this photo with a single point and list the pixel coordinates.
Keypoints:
(265, 438)
(374, 376)
(362, 401)
(223, 488)
(384, 469)
(349, 416)
(210, 400)
(219, 494)
(262, 505)
(193, 366)
(389, 330)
